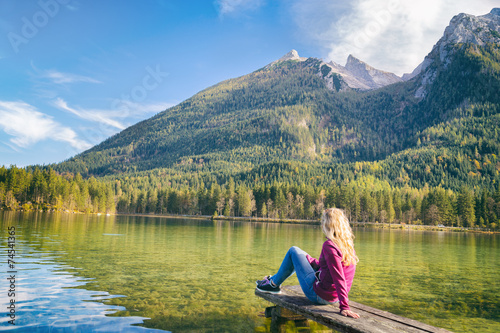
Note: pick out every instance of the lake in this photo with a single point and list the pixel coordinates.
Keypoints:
(128, 273)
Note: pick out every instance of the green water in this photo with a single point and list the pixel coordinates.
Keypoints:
(199, 275)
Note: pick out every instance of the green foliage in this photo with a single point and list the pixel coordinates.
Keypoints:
(495, 33)
(365, 199)
(325, 70)
(35, 189)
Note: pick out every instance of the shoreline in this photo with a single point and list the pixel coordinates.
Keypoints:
(370, 225)
(373, 225)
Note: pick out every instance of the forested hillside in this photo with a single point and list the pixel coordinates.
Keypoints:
(286, 113)
(283, 112)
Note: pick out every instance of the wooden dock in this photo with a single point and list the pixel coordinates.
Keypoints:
(292, 304)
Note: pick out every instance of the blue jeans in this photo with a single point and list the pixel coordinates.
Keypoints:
(295, 261)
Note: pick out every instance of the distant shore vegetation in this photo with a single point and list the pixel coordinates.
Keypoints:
(367, 200)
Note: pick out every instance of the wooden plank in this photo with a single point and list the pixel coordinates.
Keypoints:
(372, 320)
(383, 314)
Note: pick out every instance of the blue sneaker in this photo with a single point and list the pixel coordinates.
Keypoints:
(267, 286)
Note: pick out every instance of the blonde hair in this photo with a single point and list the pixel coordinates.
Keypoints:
(336, 228)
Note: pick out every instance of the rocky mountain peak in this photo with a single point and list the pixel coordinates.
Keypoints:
(356, 73)
(354, 64)
(463, 28)
(466, 28)
(292, 55)
(360, 75)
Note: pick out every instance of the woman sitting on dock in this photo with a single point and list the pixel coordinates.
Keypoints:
(329, 279)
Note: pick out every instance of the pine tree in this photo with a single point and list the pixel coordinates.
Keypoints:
(263, 210)
(244, 202)
(465, 207)
(389, 207)
(110, 200)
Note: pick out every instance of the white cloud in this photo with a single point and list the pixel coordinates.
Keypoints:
(231, 6)
(75, 6)
(392, 35)
(61, 78)
(100, 116)
(122, 110)
(110, 121)
(58, 77)
(138, 110)
(28, 126)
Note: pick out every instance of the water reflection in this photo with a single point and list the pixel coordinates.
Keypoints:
(198, 275)
(48, 298)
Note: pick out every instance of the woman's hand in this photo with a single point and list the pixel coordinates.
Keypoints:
(349, 313)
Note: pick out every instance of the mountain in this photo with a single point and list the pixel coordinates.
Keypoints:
(355, 74)
(358, 74)
(464, 29)
(285, 111)
(437, 126)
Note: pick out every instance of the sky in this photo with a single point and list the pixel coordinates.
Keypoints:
(74, 72)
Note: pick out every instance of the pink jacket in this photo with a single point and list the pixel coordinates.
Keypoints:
(335, 279)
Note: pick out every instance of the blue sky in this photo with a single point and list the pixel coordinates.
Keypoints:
(73, 73)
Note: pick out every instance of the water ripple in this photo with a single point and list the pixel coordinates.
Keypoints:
(51, 299)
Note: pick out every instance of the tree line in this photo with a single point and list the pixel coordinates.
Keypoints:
(43, 189)
(367, 200)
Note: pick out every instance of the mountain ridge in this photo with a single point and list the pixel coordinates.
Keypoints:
(356, 73)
